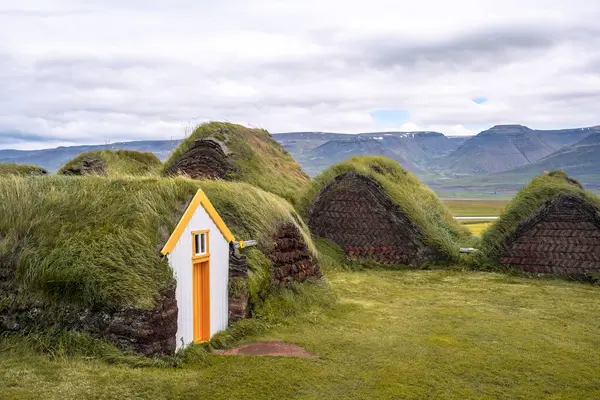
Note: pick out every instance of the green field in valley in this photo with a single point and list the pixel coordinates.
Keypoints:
(390, 335)
(476, 208)
(477, 228)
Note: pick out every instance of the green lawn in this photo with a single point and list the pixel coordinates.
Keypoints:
(393, 335)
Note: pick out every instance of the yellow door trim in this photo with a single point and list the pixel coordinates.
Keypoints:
(199, 199)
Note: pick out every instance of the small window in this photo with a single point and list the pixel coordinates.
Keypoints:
(200, 244)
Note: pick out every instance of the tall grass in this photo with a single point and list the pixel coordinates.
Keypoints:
(95, 242)
(90, 241)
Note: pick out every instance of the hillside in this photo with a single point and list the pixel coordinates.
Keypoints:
(298, 143)
(413, 150)
(565, 137)
(417, 147)
(581, 160)
(338, 150)
(500, 148)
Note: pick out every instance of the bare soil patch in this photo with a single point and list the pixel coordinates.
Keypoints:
(271, 348)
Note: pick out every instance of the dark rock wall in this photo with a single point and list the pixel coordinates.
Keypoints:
(206, 159)
(291, 258)
(355, 213)
(147, 332)
(563, 238)
(238, 287)
(38, 172)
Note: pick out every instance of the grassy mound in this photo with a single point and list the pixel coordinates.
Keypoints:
(523, 206)
(257, 157)
(95, 242)
(21, 169)
(419, 203)
(112, 163)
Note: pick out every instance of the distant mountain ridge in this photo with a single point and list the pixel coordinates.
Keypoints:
(502, 157)
(53, 159)
(504, 147)
(580, 160)
(318, 150)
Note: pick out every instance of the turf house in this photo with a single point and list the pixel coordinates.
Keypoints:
(374, 209)
(552, 226)
(147, 264)
(112, 163)
(218, 150)
(21, 169)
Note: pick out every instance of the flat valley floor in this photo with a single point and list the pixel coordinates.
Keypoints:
(392, 335)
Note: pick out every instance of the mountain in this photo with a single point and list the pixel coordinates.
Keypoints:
(53, 159)
(565, 137)
(509, 154)
(416, 144)
(507, 146)
(338, 150)
(300, 144)
(580, 160)
(307, 139)
(458, 140)
(413, 150)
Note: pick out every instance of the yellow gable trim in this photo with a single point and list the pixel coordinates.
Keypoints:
(199, 199)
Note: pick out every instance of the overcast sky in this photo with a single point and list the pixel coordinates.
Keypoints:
(77, 71)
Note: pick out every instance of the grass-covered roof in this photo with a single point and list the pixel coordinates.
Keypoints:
(112, 163)
(417, 201)
(526, 203)
(258, 158)
(21, 169)
(95, 241)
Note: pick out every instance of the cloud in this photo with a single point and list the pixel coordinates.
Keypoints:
(114, 71)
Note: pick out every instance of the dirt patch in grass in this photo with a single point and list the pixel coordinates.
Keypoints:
(271, 348)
